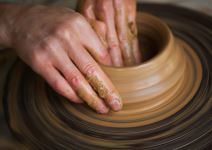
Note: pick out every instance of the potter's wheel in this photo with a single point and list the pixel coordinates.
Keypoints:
(177, 117)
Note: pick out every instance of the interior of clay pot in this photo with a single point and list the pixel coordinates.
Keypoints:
(153, 37)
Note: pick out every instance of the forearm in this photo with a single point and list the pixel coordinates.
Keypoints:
(5, 25)
(8, 14)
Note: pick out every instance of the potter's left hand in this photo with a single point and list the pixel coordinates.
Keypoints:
(115, 23)
(61, 46)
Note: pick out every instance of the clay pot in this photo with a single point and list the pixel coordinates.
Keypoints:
(160, 86)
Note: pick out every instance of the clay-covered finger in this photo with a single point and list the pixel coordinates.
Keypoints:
(96, 77)
(105, 12)
(130, 6)
(131, 15)
(124, 35)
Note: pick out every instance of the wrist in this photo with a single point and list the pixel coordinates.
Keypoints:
(8, 14)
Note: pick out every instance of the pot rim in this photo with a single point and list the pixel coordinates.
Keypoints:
(168, 44)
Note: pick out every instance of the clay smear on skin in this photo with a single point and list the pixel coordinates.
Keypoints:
(97, 86)
(132, 34)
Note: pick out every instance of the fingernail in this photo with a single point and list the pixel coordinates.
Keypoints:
(116, 105)
(118, 62)
(102, 109)
(115, 101)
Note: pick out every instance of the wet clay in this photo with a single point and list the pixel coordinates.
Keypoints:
(97, 86)
(167, 99)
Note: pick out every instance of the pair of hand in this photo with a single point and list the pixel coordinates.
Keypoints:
(61, 45)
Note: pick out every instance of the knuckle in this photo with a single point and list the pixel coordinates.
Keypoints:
(89, 68)
(39, 61)
(104, 55)
(113, 44)
(93, 103)
(123, 39)
(72, 76)
(103, 5)
(104, 8)
(36, 60)
(69, 72)
(61, 29)
(90, 96)
(57, 85)
(78, 15)
(75, 82)
(78, 18)
(45, 44)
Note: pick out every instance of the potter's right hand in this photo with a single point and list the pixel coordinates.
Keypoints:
(59, 44)
(115, 23)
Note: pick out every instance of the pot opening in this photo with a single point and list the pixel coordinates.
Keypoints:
(152, 40)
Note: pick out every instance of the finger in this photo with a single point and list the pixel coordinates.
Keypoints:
(136, 50)
(42, 61)
(95, 76)
(90, 40)
(131, 9)
(81, 86)
(105, 12)
(76, 79)
(87, 9)
(100, 29)
(59, 84)
(131, 14)
(123, 32)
